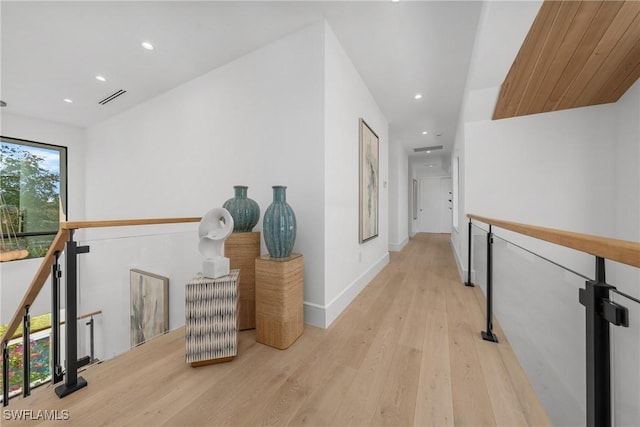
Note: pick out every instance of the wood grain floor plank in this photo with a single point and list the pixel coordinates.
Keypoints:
(397, 402)
(434, 401)
(405, 352)
(321, 406)
(471, 403)
(528, 405)
(499, 386)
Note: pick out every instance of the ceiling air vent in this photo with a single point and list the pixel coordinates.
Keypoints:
(432, 148)
(112, 97)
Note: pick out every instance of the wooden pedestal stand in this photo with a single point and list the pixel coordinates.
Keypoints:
(211, 327)
(242, 250)
(279, 300)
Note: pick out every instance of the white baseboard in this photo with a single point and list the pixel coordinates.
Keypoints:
(323, 316)
(397, 247)
(461, 270)
(464, 274)
(314, 314)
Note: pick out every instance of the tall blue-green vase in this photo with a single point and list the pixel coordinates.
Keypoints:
(244, 211)
(279, 225)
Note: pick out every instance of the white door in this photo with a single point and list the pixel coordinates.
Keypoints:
(429, 212)
(434, 213)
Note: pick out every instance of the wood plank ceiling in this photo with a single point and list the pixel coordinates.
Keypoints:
(577, 53)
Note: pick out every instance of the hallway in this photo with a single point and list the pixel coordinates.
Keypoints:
(407, 351)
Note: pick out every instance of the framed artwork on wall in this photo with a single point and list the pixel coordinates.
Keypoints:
(369, 182)
(149, 305)
(415, 199)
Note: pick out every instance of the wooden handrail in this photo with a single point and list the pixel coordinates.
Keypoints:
(33, 330)
(58, 245)
(36, 284)
(74, 225)
(84, 316)
(623, 251)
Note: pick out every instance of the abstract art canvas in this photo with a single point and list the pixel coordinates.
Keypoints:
(369, 182)
(149, 306)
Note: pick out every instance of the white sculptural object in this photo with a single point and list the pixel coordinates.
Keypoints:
(215, 226)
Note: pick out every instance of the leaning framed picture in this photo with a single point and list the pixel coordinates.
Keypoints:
(369, 182)
(149, 305)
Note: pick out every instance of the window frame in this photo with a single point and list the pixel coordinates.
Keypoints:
(63, 177)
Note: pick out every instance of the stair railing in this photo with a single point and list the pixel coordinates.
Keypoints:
(600, 310)
(63, 242)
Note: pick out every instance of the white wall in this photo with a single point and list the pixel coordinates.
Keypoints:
(459, 237)
(257, 121)
(349, 266)
(626, 353)
(575, 170)
(17, 275)
(105, 282)
(554, 170)
(501, 31)
(285, 114)
(399, 195)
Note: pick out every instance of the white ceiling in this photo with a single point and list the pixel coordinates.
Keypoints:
(54, 50)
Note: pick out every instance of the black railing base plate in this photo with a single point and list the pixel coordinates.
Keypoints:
(469, 284)
(489, 336)
(65, 390)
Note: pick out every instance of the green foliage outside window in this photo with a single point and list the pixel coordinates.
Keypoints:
(30, 195)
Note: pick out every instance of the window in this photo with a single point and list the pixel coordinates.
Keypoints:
(33, 188)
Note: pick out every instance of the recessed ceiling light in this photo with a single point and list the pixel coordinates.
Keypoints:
(101, 78)
(430, 166)
(428, 152)
(68, 100)
(424, 132)
(147, 45)
(395, 1)
(417, 96)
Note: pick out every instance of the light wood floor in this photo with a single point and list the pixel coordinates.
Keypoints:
(407, 351)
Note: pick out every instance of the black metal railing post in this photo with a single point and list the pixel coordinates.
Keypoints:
(5, 373)
(469, 282)
(598, 351)
(72, 381)
(56, 274)
(488, 335)
(26, 353)
(599, 312)
(91, 337)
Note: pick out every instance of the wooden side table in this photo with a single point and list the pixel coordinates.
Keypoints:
(279, 300)
(211, 327)
(242, 250)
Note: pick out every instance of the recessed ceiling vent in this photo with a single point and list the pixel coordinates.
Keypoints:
(112, 97)
(432, 148)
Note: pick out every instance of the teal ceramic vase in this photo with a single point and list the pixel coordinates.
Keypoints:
(244, 211)
(279, 225)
